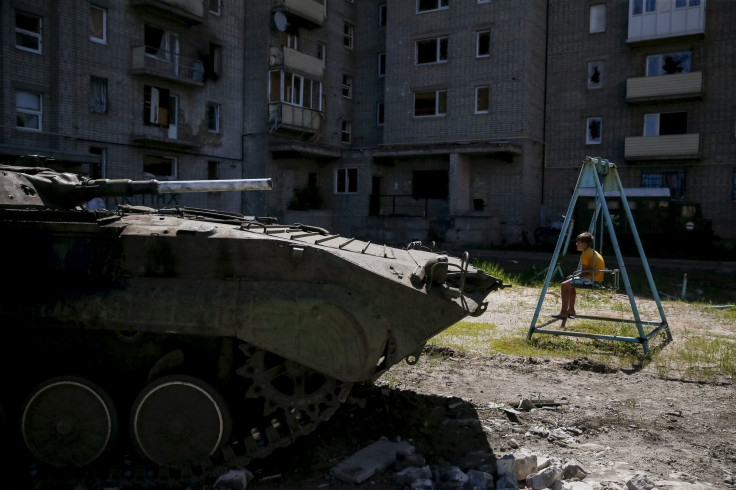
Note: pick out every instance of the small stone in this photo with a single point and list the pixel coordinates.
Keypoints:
(232, 480)
(573, 469)
(640, 481)
(545, 478)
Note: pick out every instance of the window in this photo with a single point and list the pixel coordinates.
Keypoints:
(161, 44)
(292, 40)
(428, 5)
(213, 118)
(27, 32)
(347, 86)
(155, 106)
(98, 170)
(483, 44)
(381, 65)
(595, 74)
(213, 62)
(214, 6)
(597, 18)
(346, 129)
(481, 100)
(348, 30)
(432, 103)
(346, 180)
(382, 12)
(213, 170)
(665, 123)
(97, 24)
(685, 3)
(673, 179)
(594, 131)
(432, 50)
(647, 5)
(484, 1)
(160, 167)
(430, 184)
(380, 110)
(98, 94)
(668, 64)
(296, 90)
(28, 110)
(322, 53)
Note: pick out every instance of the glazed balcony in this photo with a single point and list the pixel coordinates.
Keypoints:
(297, 62)
(665, 147)
(665, 87)
(187, 12)
(310, 11)
(165, 65)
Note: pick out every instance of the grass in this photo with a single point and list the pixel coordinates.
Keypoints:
(697, 354)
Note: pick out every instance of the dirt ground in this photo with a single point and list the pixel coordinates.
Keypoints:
(450, 406)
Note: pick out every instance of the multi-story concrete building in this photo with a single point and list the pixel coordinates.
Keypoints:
(428, 123)
(647, 84)
(135, 89)
(462, 121)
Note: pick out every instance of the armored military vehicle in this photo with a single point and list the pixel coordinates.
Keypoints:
(193, 339)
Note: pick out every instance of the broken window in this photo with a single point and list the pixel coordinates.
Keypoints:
(668, 64)
(595, 74)
(97, 24)
(160, 167)
(595, 131)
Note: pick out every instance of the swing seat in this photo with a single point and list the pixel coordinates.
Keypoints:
(608, 284)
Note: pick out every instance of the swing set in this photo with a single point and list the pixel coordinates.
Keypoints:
(602, 176)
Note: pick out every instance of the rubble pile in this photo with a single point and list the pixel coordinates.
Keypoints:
(516, 471)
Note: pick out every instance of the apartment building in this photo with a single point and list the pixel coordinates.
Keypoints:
(136, 89)
(429, 119)
(647, 84)
(460, 121)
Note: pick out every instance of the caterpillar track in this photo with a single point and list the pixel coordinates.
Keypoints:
(166, 346)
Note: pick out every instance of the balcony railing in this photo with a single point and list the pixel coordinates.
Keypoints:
(665, 87)
(287, 116)
(167, 65)
(666, 147)
(407, 205)
(309, 10)
(296, 61)
(187, 12)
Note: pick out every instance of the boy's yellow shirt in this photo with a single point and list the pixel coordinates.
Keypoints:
(588, 263)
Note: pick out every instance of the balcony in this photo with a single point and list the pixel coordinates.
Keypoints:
(667, 22)
(293, 118)
(187, 12)
(165, 65)
(666, 87)
(666, 147)
(309, 12)
(296, 61)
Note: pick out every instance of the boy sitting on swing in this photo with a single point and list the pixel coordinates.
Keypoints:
(591, 270)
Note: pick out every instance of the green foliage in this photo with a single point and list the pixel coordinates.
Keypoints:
(306, 198)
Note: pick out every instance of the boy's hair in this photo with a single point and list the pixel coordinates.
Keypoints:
(586, 238)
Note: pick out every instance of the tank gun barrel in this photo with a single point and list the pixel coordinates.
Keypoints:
(126, 187)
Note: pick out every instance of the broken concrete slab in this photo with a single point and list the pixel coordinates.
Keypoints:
(367, 461)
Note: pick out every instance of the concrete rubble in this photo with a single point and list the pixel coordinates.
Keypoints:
(516, 471)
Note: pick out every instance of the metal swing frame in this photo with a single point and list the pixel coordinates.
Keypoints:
(603, 176)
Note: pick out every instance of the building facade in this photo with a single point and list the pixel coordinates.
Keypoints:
(647, 84)
(136, 89)
(460, 121)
